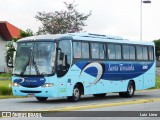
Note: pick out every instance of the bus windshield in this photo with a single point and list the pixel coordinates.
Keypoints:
(34, 58)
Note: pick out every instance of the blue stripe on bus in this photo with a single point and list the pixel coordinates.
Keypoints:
(119, 71)
(30, 81)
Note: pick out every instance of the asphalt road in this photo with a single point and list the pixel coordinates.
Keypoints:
(31, 104)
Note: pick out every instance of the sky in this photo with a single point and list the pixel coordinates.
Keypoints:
(109, 17)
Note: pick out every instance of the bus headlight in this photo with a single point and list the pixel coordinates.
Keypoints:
(15, 84)
(48, 85)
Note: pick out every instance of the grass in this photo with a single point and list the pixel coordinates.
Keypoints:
(5, 87)
(6, 90)
(157, 82)
(5, 75)
(5, 83)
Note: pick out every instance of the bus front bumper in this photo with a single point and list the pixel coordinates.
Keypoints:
(37, 92)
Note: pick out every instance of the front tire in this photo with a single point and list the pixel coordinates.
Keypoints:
(130, 90)
(42, 99)
(76, 95)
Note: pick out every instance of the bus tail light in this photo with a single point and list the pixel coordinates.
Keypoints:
(48, 85)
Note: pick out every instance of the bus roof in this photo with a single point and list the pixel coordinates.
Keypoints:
(84, 37)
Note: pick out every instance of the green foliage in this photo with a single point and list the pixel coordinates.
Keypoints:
(26, 33)
(157, 47)
(10, 51)
(157, 82)
(64, 21)
(5, 87)
(5, 75)
(5, 90)
(5, 83)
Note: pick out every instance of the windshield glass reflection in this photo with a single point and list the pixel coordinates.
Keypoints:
(35, 58)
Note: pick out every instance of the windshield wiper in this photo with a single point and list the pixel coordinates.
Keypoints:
(36, 67)
(30, 62)
(27, 63)
(24, 68)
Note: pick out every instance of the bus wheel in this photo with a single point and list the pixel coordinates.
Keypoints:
(130, 91)
(41, 99)
(76, 95)
(99, 95)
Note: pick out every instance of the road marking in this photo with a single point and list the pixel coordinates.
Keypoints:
(91, 106)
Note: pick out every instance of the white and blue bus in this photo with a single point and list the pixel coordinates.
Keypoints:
(75, 64)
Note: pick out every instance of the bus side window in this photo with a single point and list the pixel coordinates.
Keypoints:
(126, 52)
(118, 52)
(111, 51)
(145, 53)
(77, 49)
(95, 50)
(102, 51)
(151, 53)
(64, 64)
(98, 50)
(85, 50)
(132, 52)
(139, 52)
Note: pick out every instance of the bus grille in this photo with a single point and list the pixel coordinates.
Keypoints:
(27, 91)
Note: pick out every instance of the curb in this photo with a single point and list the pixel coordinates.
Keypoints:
(91, 106)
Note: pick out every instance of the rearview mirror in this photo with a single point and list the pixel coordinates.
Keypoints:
(61, 57)
(9, 61)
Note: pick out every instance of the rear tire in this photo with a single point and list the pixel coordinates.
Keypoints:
(42, 99)
(99, 95)
(76, 95)
(130, 90)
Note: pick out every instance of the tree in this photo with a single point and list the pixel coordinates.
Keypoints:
(26, 33)
(64, 21)
(11, 47)
(157, 47)
(23, 34)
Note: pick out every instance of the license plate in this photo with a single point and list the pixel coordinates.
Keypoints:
(30, 95)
